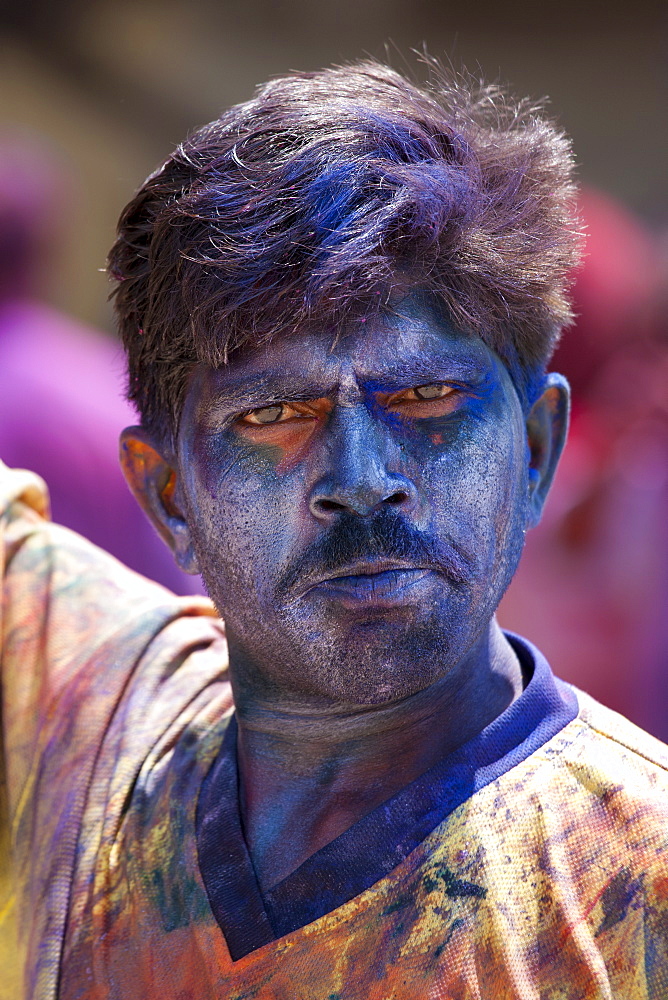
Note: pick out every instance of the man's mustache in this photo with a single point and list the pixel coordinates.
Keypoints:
(384, 535)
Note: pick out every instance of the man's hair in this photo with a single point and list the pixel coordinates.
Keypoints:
(332, 194)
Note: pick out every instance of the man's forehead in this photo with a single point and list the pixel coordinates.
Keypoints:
(404, 346)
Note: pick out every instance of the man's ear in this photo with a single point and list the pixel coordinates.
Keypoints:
(547, 427)
(155, 483)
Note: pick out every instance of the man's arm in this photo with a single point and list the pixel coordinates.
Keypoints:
(76, 628)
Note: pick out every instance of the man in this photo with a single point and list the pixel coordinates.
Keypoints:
(338, 301)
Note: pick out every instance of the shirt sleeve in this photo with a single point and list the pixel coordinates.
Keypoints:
(75, 626)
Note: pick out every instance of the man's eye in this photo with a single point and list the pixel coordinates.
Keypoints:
(436, 390)
(435, 399)
(285, 413)
(265, 415)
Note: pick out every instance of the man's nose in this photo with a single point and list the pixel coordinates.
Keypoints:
(358, 478)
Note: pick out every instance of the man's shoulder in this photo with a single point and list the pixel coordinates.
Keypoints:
(620, 737)
(609, 774)
(598, 776)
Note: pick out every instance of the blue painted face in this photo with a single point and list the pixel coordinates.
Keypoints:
(357, 508)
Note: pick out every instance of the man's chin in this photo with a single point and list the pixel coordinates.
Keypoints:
(379, 656)
(363, 646)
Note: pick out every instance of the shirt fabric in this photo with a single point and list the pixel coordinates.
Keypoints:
(531, 864)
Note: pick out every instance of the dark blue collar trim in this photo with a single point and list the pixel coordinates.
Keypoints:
(378, 842)
(224, 861)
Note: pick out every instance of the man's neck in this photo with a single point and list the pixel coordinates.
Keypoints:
(309, 773)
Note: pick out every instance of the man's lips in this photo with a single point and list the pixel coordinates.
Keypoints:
(377, 583)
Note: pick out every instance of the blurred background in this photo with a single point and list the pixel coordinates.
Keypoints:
(95, 94)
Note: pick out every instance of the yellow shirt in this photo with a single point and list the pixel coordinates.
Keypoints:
(530, 865)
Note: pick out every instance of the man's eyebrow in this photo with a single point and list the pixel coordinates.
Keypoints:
(431, 368)
(247, 390)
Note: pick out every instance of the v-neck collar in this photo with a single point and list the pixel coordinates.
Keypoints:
(377, 843)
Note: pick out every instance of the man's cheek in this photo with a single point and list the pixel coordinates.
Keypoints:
(248, 513)
(225, 462)
(281, 446)
(473, 488)
(458, 446)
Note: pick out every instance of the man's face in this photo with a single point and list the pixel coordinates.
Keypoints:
(357, 505)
